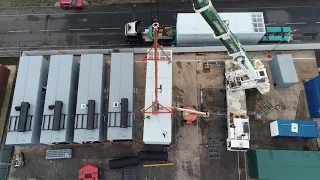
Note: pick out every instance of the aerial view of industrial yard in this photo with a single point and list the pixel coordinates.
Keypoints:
(159, 90)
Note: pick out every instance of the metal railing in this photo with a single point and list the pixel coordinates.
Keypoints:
(115, 118)
(47, 123)
(80, 119)
(15, 120)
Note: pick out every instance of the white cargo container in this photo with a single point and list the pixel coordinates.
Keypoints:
(193, 30)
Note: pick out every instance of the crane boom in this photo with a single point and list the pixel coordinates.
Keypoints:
(258, 77)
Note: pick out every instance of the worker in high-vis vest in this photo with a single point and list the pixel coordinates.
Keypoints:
(164, 134)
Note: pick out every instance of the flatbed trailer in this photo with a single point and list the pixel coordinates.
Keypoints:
(277, 35)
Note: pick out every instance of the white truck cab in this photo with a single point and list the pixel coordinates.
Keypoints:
(130, 29)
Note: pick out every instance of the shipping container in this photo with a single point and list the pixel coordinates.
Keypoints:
(90, 111)
(60, 103)
(4, 76)
(193, 30)
(24, 126)
(312, 90)
(283, 71)
(120, 114)
(294, 128)
(283, 164)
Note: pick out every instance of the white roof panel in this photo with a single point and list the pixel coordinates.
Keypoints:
(158, 123)
(247, 22)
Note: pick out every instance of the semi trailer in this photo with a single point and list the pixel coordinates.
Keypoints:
(136, 34)
(192, 30)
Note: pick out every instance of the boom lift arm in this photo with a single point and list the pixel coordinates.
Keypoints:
(192, 111)
(257, 75)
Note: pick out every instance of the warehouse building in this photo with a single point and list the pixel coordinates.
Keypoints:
(157, 128)
(120, 114)
(60, 103)
(90, 111)
(283, 164)
(193, 30)
(312, 88)
(27, 105)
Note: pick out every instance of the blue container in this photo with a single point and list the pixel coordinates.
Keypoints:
(312, 89)
(294, 128)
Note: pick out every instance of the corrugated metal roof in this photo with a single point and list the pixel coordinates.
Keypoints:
(62, 86)
(92, 86)
(121, 86)
(284, 164)
(31, 78)
(158, 123)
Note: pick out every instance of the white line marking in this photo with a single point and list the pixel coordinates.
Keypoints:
(19, 31)
(270, 24)
(114, 28)
(84, 29)
(318, 22)
(48, 30)
(129, 11)
(297, 23)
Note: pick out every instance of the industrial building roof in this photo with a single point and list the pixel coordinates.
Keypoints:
(28, 100)
(158, 124)
(91, 90)
(283, 164)
(60, 100)
(121, 86)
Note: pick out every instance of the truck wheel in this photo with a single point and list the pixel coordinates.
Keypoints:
(182, 122)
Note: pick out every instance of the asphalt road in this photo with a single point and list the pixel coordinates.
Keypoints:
(104, 25)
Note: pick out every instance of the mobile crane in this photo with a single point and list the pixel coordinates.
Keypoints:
(250, 75)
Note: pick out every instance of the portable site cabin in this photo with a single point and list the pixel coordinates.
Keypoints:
(294, 128)
(60, 103)
(27, 105)
(120, 114)
(158, 127)
(283, 71)
(90, 111)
